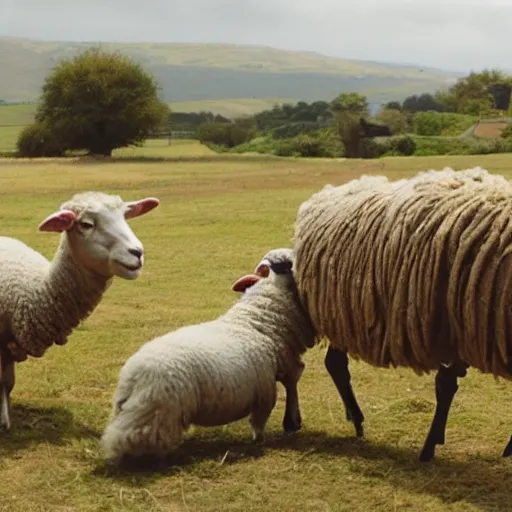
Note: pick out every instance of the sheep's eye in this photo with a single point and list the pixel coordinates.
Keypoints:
(86, 225)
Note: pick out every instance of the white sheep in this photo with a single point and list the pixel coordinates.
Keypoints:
(215, 372)
(412, 273)
(41, 302)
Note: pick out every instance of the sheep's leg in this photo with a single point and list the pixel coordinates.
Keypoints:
(446, 387)
(508, 450)
(336, 362)
(292, 421)
(260, 414)
(6, 385)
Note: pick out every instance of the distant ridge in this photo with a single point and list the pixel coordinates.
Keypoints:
(203, 71)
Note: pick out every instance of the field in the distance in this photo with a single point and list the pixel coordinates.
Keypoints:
(218, 216)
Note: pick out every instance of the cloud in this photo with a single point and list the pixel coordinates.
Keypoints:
(452, 34)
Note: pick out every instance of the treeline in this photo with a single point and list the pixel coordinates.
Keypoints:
(485, 94)
(344, 127)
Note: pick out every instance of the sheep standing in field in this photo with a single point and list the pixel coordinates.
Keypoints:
(41, 302)
(215, 372)
(413, 273)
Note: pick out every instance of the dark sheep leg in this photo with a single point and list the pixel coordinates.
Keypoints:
(292, 420)
(446, 387)
(7, 379)
(508, 450)
(336, 362)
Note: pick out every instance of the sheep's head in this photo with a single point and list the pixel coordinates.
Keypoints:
(279, 261)
(98, 234)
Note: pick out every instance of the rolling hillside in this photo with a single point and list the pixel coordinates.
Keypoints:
(197, 72)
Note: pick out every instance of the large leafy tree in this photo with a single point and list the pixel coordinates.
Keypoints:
(100, 101)
(472, 94)
(349, 109)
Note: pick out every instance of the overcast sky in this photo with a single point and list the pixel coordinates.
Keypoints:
(450, 34)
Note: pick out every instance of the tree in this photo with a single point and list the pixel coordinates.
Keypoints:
(350, 133)
(421, 103)
(100, 101)
(351, 102)
(397, 121)
(473, 94)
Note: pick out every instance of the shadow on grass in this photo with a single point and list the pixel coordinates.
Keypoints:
(35, 425)
(484, 482)
(216, 157)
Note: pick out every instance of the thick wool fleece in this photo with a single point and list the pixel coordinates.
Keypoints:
(411, 273)
(42, 302)
(211, 373)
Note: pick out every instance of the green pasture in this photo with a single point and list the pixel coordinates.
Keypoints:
(218, 216)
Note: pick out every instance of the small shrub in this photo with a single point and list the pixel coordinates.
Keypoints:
(425, 152)
(404, 145)
(395, 119)
(437, 123)
(401, 145)
(37, 140)
(372, 148)
(307, 146)
(285, 148)
(453, 146)
(289, 130)
(223, 134)
(507, 132)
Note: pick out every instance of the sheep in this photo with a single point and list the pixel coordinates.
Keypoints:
(412, 273)
(41, 302)
(215, 372)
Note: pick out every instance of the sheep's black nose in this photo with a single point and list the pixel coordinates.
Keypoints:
(136, 252)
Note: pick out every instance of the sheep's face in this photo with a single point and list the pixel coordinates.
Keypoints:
(98, 234)
(249, 280)
(277, 257)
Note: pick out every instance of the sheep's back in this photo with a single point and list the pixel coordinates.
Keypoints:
(411, 273)
(216, 374)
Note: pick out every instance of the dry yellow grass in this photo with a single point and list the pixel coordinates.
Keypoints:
(217, 217)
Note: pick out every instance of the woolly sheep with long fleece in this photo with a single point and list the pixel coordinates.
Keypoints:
(212, 373)
(413, 273)
(41, 302)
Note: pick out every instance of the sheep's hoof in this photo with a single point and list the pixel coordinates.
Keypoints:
(258, 437)
(291, 425)
(359, 429)
(428, 452)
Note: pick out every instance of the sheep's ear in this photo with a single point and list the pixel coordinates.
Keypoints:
(58, 222)
(241, 284)
(137, 208)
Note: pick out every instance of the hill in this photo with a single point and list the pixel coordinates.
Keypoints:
(197, 72)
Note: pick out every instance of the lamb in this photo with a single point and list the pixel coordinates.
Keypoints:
(216, 372)
(42, 302)
(413, 273)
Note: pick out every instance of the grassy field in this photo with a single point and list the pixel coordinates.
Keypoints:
(12, 120)
(218, 216)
